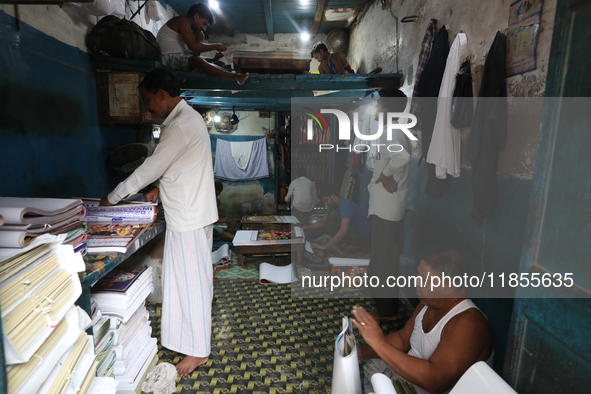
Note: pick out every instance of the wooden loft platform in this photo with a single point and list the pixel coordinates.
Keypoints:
(269, 92)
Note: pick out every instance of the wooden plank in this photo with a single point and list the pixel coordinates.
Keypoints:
(318, 16)
(288, 82)
(268, 8)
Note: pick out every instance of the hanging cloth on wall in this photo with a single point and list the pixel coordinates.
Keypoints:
(489, 130)
(444, 151)
(423, 57)
(226, 166)
(241, 151)
(462, 104)
(427, 93)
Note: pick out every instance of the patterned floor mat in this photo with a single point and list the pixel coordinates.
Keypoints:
(265, 341)
(250, 271)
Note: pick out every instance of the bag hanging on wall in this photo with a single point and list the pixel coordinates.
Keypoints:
(122, 38)
(462, 106)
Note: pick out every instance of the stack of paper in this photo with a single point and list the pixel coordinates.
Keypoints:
(270, 219)
(121, 292)
(128, 211)
(105, 356)
(75, 371)
(130, 339)
(341, 266)
(121, 296)
(37, 287)
(30, 376)
(28, 218)
(131, 382)
(113, 237)
(103, 386)
(269, 237)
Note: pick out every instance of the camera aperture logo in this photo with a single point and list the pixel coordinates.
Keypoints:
(319, 120)
(373, 140)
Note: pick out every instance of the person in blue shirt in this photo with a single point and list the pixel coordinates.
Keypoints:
(354, 226)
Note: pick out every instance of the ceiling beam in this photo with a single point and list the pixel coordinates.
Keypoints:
(289, 82)
(318, 16)
(268, 8)
(269, 93)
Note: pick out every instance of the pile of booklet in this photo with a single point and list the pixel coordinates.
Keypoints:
(46, 347)
(27, 218)
(114, 229)
(126, 351)
(269, 237)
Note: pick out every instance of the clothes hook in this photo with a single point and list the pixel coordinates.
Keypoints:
(410, 18)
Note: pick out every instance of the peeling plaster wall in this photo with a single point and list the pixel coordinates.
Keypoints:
(70, 23)
(378, 38)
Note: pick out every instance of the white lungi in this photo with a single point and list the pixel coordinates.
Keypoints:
(187, 292)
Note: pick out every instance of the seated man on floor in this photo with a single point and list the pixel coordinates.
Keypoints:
(354, 225)
(330, 63)
(302, 195)
(444, 337)
(225, 228)
(181, 41)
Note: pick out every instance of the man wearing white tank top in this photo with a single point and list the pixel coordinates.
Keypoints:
(181, 41)
(445, 335)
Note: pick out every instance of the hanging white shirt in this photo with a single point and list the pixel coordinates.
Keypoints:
(444, 150)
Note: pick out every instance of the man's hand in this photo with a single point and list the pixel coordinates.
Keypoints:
(218, 56)
(151, 195)
(318, 246)
(220, 47)
(368, 327)
(388, 182)
(105, 201)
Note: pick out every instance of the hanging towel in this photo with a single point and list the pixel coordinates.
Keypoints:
(241, 152)
(225, 166)
(444, 150)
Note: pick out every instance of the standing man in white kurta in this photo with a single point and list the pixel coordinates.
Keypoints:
(388, 193)
(181, 168)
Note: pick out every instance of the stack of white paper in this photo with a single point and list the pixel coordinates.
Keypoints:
(28, 377)
(37, 287)
(132, 380)
(27, 218)
(269, 237)
(122, 297)
(75, 370)
(123, 304)
(103, 385)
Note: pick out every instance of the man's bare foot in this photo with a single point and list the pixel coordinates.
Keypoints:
(241, 78)
(188, 364)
